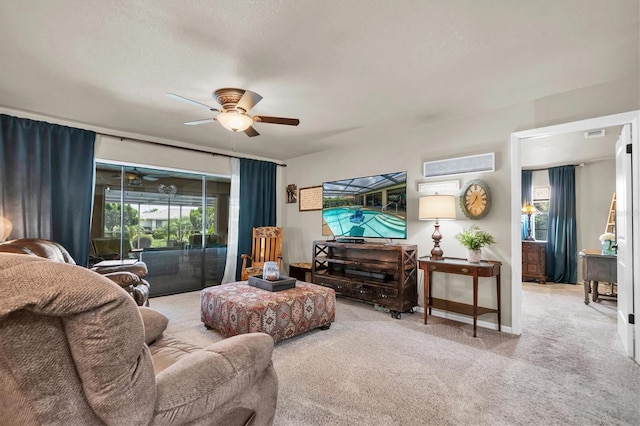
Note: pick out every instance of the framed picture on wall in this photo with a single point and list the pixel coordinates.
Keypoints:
(310, 198)
(292, 193)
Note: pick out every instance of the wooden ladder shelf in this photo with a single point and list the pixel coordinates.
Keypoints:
(611, 219)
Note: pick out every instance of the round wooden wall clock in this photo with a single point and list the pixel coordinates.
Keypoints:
(475, 199)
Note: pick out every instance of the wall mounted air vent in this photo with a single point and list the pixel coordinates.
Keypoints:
(594, 134)
(459, 166)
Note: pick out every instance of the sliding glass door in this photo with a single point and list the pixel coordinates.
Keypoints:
(174, 222)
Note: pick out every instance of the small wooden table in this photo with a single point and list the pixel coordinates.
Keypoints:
(597, 267)
(452, 265)
(301, 271)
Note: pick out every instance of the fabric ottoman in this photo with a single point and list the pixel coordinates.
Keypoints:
(238, 308)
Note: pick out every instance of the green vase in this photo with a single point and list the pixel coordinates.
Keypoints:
(607, 248)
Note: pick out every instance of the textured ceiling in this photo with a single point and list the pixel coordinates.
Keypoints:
(349, 70)
(569, 148)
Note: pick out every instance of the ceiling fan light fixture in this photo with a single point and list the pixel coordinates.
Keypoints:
(234, 121)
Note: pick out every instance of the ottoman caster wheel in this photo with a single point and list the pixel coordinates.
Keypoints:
(325, 327)
(396, 314)
(207, 327)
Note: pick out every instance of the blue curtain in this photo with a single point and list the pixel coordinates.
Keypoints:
(527, 198)
(562, 243)
(46, 182)
(257, 202)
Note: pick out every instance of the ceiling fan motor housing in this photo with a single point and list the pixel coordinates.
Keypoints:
(228, 98)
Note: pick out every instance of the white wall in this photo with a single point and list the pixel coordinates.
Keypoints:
(144, 154)
(595, 185)
(480, 133)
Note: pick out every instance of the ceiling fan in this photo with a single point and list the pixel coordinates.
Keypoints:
(134, 177)
(234, 115)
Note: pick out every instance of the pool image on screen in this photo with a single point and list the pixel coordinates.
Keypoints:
(366, 207)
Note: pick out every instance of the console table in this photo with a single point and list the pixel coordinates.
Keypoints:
(452, 265)
(597, 267)
(301, 271)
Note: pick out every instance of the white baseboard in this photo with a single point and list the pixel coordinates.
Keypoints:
(463, 318)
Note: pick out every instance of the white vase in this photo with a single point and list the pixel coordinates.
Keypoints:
(473, 256)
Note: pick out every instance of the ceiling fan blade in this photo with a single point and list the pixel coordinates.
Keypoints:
(277, 120)
(189, 101)
(150, 178)
(251, 132)
(248, 100)
(196, 122)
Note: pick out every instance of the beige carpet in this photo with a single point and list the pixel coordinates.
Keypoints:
(567, 368)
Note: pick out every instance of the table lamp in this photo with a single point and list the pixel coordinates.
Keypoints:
(437, 207)
(529, 209)
(5, 229)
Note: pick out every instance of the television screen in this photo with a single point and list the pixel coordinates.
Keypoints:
(366, 207)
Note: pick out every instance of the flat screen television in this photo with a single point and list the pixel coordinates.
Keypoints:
(366, 207)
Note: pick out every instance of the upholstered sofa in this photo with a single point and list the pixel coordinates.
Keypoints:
(129, 277)
(76, 350)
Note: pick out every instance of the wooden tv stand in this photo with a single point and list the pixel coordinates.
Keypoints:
(377, 273)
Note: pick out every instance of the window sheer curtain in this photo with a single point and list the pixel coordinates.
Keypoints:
(234, 215)
(527, 198)
(562, 245)
(257, 205)
(46, 182)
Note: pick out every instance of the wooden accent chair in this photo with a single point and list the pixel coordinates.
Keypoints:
(266, 246)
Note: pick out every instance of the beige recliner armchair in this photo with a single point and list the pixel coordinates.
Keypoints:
(75, 351)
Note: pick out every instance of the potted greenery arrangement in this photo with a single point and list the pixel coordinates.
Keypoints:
(607, 241)
(473, 239)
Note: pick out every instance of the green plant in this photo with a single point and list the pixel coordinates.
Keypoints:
(475, 238)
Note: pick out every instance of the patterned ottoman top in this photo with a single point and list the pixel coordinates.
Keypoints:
(242, 293)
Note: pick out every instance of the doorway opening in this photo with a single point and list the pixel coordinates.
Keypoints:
(517, 139)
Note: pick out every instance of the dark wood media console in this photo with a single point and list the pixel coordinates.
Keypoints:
(377, 273)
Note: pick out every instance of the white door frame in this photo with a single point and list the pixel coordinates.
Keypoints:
(632, 118)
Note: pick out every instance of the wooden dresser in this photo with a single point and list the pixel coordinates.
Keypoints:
(534, 261)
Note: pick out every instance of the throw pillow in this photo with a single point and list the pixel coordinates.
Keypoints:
(154, 324)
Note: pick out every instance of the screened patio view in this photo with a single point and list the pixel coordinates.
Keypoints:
(160, 218)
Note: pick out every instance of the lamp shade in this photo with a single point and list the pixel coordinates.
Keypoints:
(529, 209)
(234, 121)
(437, 207)
(5, 228)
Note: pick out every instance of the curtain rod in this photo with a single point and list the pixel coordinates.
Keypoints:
(122, 138)
(553, 167)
